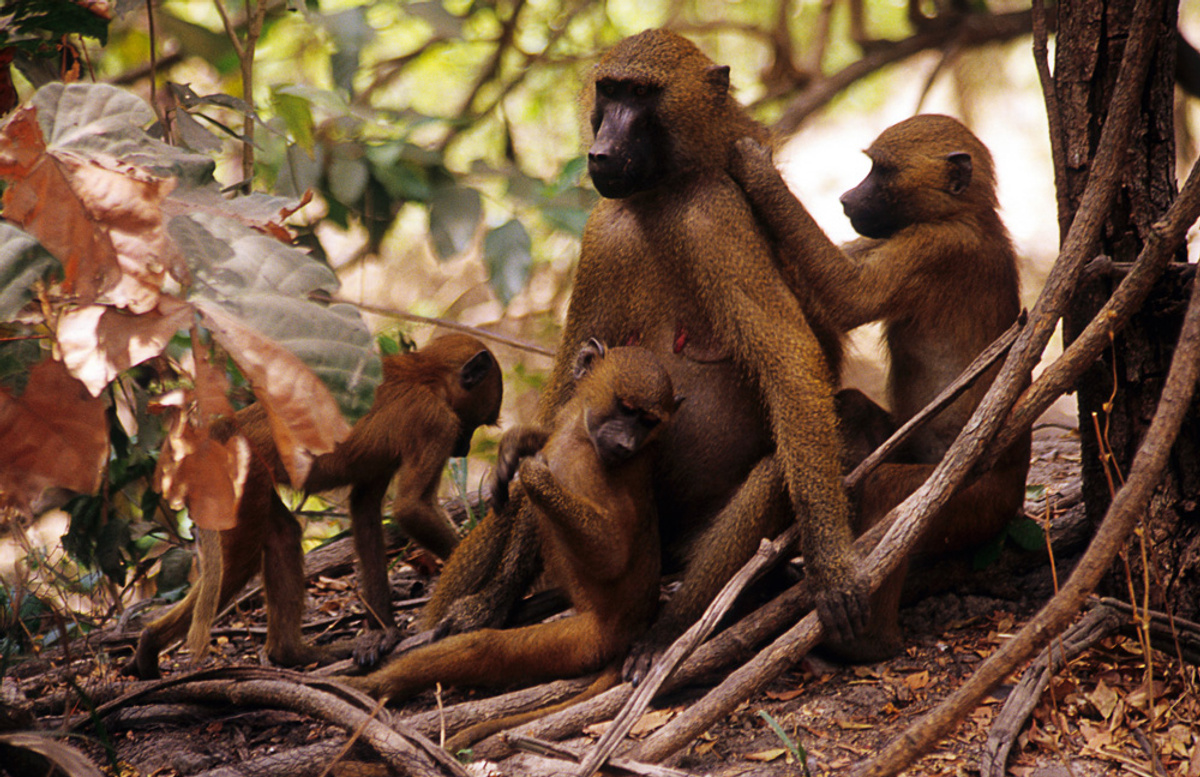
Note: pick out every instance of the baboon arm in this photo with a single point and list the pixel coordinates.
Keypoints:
(582, 526)
(515, 445)
(855, 292)
(762, 323)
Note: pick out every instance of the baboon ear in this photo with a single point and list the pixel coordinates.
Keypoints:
(476, 369)
(718, 76)
(589, 353)
(960, 171)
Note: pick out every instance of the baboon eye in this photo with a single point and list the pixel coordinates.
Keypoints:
(641, 90)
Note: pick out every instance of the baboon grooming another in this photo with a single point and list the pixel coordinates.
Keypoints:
(425, 411)
(937, 267)
(673, 260)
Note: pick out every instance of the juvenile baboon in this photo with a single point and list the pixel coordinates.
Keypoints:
(937, 267)
(426, 410)
(588, 481)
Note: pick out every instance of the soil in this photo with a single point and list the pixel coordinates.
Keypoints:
(1100, 716)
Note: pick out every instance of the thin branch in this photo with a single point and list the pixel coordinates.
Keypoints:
(1053, 114)
(981, 364)
(154, 70)
(972, 30)
(514, 342)
(1163, 239)
(490, 72)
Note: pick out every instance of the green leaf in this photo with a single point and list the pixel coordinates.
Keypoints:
(403, 178)
(988, 554)
(454, 215)
(265, 285)
(347, 175)
(174, 567)
(569, 220)
(297, 116)
(570, 175)
(508, 255)
(23, 261)
(1027, 533)
(350, 32)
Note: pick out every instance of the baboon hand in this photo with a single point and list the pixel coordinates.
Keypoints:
(844, 611)
(370, 648)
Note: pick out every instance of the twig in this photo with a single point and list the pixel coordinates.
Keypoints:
(982, 363)
(1148, 749)
(767, 553)
(446, 323)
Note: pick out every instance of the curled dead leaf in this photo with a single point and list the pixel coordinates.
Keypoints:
(304, 416)
(766, 755)
(53, 435)
(98, 342)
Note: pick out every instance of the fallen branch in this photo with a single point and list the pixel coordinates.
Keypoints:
(1095, 626)
(552, 750)
(732, 646)
(307, 761)
(404, 749)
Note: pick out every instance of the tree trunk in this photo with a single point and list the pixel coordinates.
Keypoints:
(1118, 395)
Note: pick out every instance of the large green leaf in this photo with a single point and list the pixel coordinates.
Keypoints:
(22, 262)
(454, 215)
(509, 256)
(265, 285)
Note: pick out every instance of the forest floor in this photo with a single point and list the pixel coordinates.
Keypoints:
(1100, 716)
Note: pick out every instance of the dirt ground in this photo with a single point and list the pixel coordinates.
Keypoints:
(1100, 717)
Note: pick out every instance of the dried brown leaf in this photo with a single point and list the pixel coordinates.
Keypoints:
(39, 198)
(1104, 699)
(98, 342)
(194, 469)
(53, 435)
(652, 721)
(766, 755)
(102, 220)
(202, 474)
(917, 680)
(304, 416)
